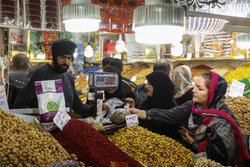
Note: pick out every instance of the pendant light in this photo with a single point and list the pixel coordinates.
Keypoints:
(158, 22)
(203, 25)
(120, 44)
(88, 51)
(237, 8)
(81, 16)
(243, 41)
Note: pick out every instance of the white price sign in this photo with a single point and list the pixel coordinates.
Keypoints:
(132, 120)
(3, 100)
(236, 89)
(61, 118)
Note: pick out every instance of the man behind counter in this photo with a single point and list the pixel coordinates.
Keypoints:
(62, 52)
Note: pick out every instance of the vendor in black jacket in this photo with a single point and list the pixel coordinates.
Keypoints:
(62, 52)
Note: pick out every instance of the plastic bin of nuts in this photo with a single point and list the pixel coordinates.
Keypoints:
(23, 144)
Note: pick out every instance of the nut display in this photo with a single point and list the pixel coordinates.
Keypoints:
(199, 69)
(21, 144)
(223, 70)
(150, 148)
(202, 162)
(240, 106)
(239, 73)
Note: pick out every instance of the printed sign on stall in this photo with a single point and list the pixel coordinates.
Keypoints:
(3, 100)
(236, 89)
(132, 120)
(61, 118)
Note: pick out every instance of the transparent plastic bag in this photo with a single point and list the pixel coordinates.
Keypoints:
(119, 116)
(112, 104)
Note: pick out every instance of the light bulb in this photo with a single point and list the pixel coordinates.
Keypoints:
(88, 51)
(120, 45)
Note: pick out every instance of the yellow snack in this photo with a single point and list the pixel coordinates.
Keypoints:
(150, 148)
(239, 73)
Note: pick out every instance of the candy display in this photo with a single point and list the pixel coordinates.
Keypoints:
(241, 108)
(239, 73)
(150, 148)
(22, 144)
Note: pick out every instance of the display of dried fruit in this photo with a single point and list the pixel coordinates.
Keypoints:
(240, 106)
(199, 69)
(135, 70)
(239, 73)
(150, 148)
(223, 70)
(22, 144)
(202, 162)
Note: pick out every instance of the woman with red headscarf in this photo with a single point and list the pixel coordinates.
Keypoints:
(214, 127)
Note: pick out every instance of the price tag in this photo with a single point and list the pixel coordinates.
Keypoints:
(61, 118)
(132, 120)
(236, 89)
(3, 100)
(91, 96)
(99, 106)
(199, 155)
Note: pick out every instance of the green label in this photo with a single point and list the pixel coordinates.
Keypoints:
(52, 106)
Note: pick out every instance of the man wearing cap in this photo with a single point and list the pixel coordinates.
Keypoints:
(62, 52)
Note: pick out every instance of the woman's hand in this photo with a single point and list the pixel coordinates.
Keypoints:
(130, 101)
(187, 138)
(140, 113)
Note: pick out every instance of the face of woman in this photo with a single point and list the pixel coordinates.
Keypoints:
(200, 92)
(150, 89)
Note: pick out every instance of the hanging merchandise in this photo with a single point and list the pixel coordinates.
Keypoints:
(117, 15)
(120, 45)
(40, 14)
(9, 13)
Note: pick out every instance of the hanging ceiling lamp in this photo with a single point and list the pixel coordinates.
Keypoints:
(237, 8)
(194, 25)
(243, 41)
(81, 16)
(158, 22)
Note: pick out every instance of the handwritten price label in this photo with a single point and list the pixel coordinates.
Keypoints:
(132, 120)
(3, 100)
(236, 89)
(61, 118)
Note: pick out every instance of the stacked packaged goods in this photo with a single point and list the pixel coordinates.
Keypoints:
(150, 148)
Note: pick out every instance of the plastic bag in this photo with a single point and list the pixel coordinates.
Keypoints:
(119, 116)
(50, 98)
(112, 104)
